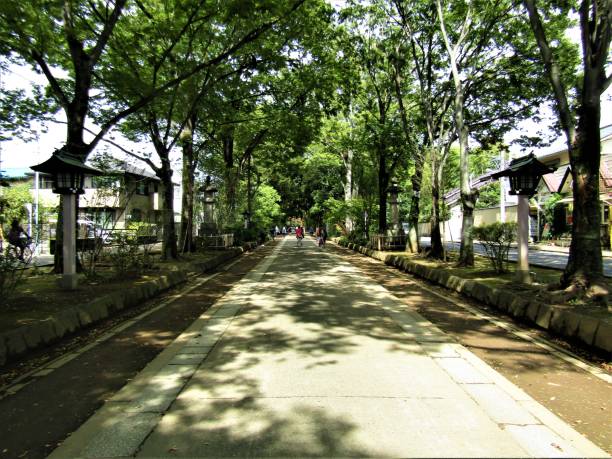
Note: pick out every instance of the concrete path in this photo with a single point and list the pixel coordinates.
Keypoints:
(306, 357)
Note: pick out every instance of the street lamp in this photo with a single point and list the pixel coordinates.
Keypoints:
(524, 174)
(208, 194)
(68, 174)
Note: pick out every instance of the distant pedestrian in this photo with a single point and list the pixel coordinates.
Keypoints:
(319, 236)
(323, 235)
(276, 231)
(299, 234)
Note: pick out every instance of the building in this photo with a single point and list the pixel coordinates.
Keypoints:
(560, 182)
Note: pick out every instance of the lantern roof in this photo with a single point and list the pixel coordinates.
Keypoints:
(528, 164)
(63, 162)
(394, 188)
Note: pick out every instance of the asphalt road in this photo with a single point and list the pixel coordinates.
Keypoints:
(542, 258)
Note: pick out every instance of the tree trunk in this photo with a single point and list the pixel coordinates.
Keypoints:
(585, 263)
(230, 174)
(347, 158)
(383, 182)
(169, 246)
(186, 242)
(437, 248)
(413, 244)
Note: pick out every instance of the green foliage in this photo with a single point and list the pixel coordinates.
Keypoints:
(267, 209)
(14, 200)
(126, 257)
(11, 272)
(496, 239)
(554, 215)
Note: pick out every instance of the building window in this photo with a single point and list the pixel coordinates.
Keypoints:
(45, 182)
(142, 187)
(136, 215)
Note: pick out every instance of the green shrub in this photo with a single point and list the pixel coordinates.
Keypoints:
(496, 239)
(11, 273)
(126, 258)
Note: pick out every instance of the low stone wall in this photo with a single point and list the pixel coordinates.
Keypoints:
(17, 342)
(562, 320)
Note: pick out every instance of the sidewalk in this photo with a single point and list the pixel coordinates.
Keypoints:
(306, 357)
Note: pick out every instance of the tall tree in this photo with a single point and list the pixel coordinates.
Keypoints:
(584, 268)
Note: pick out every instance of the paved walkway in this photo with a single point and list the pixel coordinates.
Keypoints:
(306, 357)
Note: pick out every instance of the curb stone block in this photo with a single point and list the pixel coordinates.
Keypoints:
(466, 286)
(518, 307)
(47, 331)
(544, 316)
(118, 301)
(69, 320)
(603, 336)
(15, 344)
(443, 277)
(31, 336)
(587, 329)
(99, 310)
(480, 292)
(84, 316)
(3, 350)
(134, 296)
(570, 323)
(435, 275)
(493, 297)
(427, 272)
(505, 299)
(452, 282)
(557, 320)
(532, 310)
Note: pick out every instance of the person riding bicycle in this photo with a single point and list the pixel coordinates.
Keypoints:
(18, 237)
(299, 234)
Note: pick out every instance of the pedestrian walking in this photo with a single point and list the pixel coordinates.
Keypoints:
(319, 236)
(323, 236)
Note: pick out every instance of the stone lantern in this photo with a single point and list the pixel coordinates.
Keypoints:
(524, 174)
(68, 175)
(208, 194)
(394, 191)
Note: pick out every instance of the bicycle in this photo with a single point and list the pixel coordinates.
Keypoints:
(27, 252)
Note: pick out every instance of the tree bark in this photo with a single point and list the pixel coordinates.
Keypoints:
(347, 159)
(169, 245)
(437, 248)
(230, 174)
(383, 183)
(468, 196)
(585, 263)
(186, 242)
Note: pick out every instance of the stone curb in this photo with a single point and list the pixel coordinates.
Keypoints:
(562, 320)
(16, 342)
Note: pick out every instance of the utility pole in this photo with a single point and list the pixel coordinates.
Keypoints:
(502, 188)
